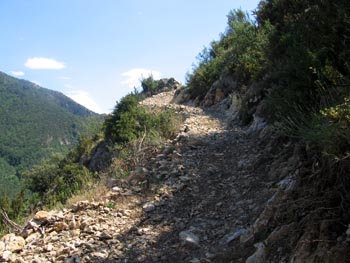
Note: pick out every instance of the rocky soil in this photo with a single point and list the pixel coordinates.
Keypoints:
(212, 197)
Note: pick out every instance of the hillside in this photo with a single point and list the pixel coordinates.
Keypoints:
(216, 192)
(249, 162)
(35, 123)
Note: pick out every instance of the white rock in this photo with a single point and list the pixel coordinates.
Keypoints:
(148, 207)
(6, 255)
(32, 237)
(259, 256)
(2, 246)
(228, 238)
(187, 237)
(116, 189)
(13, 243)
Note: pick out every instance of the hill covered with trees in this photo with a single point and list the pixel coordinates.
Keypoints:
(35, 123)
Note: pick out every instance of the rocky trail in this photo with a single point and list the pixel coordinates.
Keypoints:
(206, 202)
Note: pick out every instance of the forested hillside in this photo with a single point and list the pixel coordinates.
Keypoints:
(36, 123)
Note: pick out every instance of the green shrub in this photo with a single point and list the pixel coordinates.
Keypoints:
(149, 85)
(130, 121)
(240, 52)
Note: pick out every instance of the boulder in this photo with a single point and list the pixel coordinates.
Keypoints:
(13, 243)
(42, 216)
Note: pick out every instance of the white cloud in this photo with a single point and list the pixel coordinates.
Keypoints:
(133, 76)
(69, 86)
(64, 78)
(17, 73)
(43, 63)
(84, 98)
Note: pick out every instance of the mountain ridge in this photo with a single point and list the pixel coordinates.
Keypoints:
(36, 122)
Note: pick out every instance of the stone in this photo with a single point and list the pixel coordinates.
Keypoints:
(257, 125)
(49, 247)
(38, 260)
(228, 238)
(35, 224)
(263, 220)
(74, 224)
(81, 205)
(13, 243)
(42, 216)
(32, 237)
(6, 255)
(348, 234)
(73, 259)
(117, 189)
(148, 207)
(99, 255)
(279, 233)
(20, 260)
(2, 246)
(60, 226)
(75, 232)
(259, 256)
(241, 164)
(247, 238)
(105, 236)
(188, 238)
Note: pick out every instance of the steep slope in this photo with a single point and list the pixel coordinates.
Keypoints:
(36, 122)
(218, 193)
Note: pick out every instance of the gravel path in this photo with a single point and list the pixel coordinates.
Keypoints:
(211, 186)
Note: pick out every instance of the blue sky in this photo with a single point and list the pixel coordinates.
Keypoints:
(95, 51)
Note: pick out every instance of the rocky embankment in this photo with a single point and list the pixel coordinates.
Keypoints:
(213, 195)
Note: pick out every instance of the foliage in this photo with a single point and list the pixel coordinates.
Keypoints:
(308, 69)
(338, 113)
(123, 124)
(205, 73)
(36, 123)
(239, 52)
(57, 179)
(130, 121)
(149, 85)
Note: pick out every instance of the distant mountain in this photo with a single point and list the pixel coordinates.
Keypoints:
(36, 122)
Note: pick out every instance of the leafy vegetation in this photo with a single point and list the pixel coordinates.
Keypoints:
(149, 85)
(240, 52)
(130, 121)
(54, 181)
(36, 123)
(309, 68)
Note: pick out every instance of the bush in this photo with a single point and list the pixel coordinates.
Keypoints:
(240, 52)
(130, 121)
(149, 86)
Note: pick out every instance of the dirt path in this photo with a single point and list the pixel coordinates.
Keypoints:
(211, 187)
(212, 190)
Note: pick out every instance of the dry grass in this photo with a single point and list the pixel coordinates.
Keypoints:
(96, 193)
